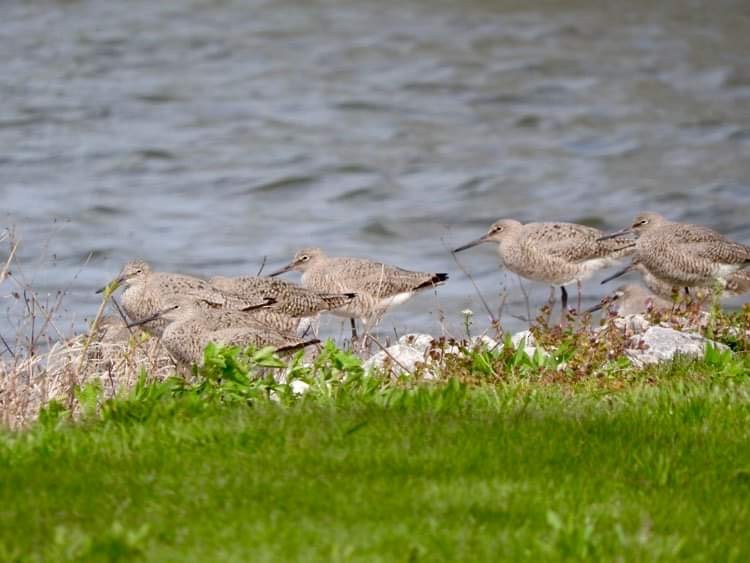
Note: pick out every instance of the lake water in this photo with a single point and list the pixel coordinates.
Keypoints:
(205, 135)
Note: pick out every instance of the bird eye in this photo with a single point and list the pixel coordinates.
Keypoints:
(305, 258)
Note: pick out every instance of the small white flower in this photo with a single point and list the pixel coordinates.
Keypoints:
(467, 312)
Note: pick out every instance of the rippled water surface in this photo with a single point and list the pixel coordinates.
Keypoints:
(203, 136)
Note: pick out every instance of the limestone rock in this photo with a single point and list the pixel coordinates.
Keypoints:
(661, 344)
(395, 359)
(523, 339)
(420, 342)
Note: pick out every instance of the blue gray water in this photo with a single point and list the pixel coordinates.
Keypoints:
(205, 135)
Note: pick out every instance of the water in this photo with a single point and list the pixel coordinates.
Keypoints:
(206, 135)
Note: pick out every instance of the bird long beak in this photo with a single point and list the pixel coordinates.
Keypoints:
(472, 244)
(112, 286)
(282, 270)
(620, 233)
(619, 273)
(153, 317)
(603, 303)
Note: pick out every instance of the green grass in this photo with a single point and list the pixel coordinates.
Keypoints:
(365, 471)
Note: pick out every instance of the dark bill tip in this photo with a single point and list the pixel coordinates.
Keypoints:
(283, 270)
(617, 274)
(595, 308)
(153, 317)
(606, 302)
(470, 245)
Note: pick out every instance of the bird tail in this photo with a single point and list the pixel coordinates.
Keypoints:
(436, 279)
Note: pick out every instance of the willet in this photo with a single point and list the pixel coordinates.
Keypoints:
(555, 253)
(146, 291)
(659, 287)
(684, 255)
(377, 286)
(291, 299)
(190, 328)
(633, 299)
(736, 284)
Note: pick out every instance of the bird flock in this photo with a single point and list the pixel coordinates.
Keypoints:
(188, 312)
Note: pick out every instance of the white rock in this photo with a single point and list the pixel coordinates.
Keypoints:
(632, 323)
(523, 339)
(299, 387)
(397, 358)
(661, 344)
(420, 342)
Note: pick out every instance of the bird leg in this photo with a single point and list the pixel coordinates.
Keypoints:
(564, 296)
(354, 329)
(578, 288)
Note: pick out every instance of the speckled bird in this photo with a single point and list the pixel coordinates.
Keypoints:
(190, 327)
(555, 253)
(682, 254)
(377, 286)
(633, 299)
(292, 299)
(146, 292)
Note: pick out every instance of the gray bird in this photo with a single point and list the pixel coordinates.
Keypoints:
(146, 291)
(377, 286)
(632, 299)
(682, 254)
(555, 253)
(191, 327)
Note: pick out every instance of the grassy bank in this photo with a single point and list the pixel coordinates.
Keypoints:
(657, 468)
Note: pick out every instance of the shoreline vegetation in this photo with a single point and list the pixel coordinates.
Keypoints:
(553, 444)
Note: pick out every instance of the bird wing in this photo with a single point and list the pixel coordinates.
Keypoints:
(708, 243)
(569, 241)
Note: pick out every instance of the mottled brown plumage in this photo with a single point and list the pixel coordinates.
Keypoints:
(146, 292)
(633, 299)
(685, 255)
(377, 286)
(190, 328)
(554, 253)
(292, 299)
(736, 284)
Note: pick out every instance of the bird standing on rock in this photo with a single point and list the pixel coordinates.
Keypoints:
(555, 253)
(378, 286)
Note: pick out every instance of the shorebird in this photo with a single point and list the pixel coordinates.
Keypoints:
(555, 253)
(378, 286)
(736, 284)
(633, 299)
(190, 328)
(684, 255)
(147, 290)
(659, 287)
(292, 299)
